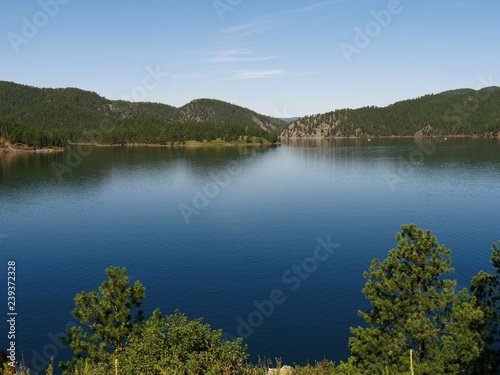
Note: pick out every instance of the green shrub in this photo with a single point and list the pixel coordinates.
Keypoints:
(176, 345)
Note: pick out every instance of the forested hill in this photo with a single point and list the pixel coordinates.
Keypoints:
(455, 112)
(219, 112)
(55, 116)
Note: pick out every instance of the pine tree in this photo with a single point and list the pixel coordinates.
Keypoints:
(273, 138)
(486, 288)
(106, 318)
(415, 308)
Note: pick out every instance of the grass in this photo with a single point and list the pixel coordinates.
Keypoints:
(264, 367)
(256, 141)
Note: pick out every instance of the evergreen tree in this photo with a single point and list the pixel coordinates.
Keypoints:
(273, 137)
(106, 318)
(177, 345)
(415, 308)
(486, 288)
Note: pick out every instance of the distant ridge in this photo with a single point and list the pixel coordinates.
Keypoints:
(458, 112)
(45, 107)
(289, 119)
(54, 117)
(35, 118)
(458, 91)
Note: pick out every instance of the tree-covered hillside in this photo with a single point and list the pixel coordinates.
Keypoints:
(52, 117)
(219, 112)
(456, 112)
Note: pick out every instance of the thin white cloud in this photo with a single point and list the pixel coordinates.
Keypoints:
(237, 55)
(249, 29)
(270, 21)
(231, 43)
(312, 7)
(245, 27)
(256, 74)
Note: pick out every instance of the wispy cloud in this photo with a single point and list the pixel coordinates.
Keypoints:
(312, 7)
(237, 55)
(256, 74)
(249, 27)
(232, 43)
(268, 21)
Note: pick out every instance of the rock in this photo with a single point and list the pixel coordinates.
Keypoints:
(285, 370)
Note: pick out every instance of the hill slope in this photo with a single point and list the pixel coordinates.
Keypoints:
(71, 107)
(41, 117)
(219, 112)
(455, 112)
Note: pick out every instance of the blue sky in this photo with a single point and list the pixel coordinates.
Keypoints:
(280, 58)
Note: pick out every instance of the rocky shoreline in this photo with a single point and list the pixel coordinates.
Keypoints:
(8, 148)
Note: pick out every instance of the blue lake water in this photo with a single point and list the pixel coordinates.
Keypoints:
(217, 232)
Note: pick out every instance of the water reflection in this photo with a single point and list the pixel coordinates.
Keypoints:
(78, 165)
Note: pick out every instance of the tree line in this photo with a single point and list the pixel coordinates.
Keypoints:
(418, 323)
(53, 117)
(460, 112)
(147, 131)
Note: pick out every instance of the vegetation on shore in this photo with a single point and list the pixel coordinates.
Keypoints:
(418, 324)
(129, 133)
(463, 112)
(52, 118)
(55, 117)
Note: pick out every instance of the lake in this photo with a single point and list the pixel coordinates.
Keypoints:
(265, 242)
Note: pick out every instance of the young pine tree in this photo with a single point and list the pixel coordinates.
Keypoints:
(106, 318)
(486, 288)
(415, 307)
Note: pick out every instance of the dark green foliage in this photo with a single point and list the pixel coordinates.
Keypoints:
(218, 112)
(107, 319)
(179, 346)
(414, 307)
(273, 137)
(53, 117)
(33, 137)
(111, 338)
(486, 288)
(458, 112)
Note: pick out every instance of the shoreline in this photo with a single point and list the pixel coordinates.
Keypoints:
(4, 151)
(218, 143)
(474, 136)
(186, 145)
(8, 148)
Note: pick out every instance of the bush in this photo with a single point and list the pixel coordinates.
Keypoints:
(176, 345)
